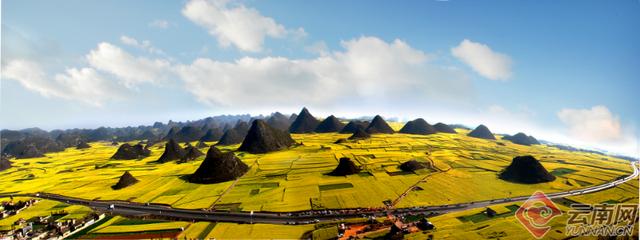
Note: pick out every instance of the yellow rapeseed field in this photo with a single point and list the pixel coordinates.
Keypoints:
(291, 180)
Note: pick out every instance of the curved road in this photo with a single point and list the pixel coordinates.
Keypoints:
(304, 217)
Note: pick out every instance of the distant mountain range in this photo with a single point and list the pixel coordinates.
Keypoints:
(33, 142)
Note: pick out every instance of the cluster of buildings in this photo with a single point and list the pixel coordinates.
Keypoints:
(51, 226)
(10, 208)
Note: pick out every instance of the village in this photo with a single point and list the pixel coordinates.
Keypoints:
(50, 226)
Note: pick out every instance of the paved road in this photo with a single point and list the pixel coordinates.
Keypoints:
(130, 208)
(557, 194)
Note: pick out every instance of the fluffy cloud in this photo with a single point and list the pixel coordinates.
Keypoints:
(90, 85)
(597, 124)
(129, 69)
(84, 85)
(235, 24)
(368, 68)
(483, 60)
(144, 44)
(87, 85)
(30, 75)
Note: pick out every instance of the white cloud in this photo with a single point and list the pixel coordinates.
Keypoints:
(30, 75)
(129, 69)
(144, 44)
(597, 124)
(483, 60)
(234, 24)
(368, 70)
(84, 85)
(87, 85)
(159, 23)
(598, 128)
(129, 41)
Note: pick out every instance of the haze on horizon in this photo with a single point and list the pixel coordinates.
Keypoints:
(564, 72)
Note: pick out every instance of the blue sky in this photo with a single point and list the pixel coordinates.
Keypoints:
(565, 71)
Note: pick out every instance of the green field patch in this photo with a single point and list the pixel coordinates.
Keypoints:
(335, 186)
(276, 175)
(414, 218)
(206, 231)
(513, 207)
(582, 183)
(106, 165)
(270, 185)
(229, 207)
(325, 233)
(60, 206)
(133, 221)
(26, 177)
(564, 201)
(172, 191)
(562, 171)
(260, 185)
(398, 173)
(479, 217)
(254, 192)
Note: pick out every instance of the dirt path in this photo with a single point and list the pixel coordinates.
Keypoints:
(424, 179)
(213, 205)
(393, 204)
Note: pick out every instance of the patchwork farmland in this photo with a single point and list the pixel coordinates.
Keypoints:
(299, 181)
(296, 180)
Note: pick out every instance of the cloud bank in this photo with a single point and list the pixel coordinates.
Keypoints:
(599, 127)
(83, 85)
(367, 71)
(594, 124)
(367, 68)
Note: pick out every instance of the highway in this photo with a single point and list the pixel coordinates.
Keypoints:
(304, 217)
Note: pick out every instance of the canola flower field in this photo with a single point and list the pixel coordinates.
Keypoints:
(463, 224)
(463, 169)
(296, 180)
